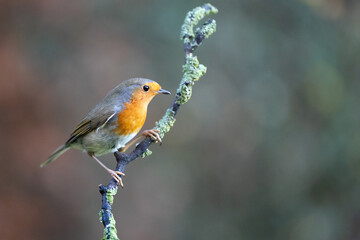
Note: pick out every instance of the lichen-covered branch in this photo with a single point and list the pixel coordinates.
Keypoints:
(192, 71)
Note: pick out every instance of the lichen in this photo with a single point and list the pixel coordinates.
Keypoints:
(206, 29)
(147, 152)
(165, 123)
(110, 231)
(110, 193)
(192, 18)
(192, 71)
(185, 94)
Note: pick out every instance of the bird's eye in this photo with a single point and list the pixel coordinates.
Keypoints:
(146, 88)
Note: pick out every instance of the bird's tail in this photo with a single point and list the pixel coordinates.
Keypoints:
(55, 155)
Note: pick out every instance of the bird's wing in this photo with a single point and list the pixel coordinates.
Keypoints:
(90, 124)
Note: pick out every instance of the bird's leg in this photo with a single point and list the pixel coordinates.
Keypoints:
(114, 174)
(153, 133)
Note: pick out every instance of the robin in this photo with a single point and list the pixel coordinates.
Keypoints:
(113, 122)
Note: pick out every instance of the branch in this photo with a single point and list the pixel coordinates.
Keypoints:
(192, 71)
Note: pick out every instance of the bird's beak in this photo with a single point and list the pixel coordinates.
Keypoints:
(163, 91)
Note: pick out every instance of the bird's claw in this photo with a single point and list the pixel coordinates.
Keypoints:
(116, 177)
(154, 134)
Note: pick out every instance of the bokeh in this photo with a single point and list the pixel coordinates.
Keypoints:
(267, 148)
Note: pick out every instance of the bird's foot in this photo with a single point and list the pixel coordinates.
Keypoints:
(153, 133)
(115, 175)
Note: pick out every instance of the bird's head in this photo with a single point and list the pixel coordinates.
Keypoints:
(144, 90)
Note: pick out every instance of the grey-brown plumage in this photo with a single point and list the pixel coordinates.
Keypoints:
(103, 128)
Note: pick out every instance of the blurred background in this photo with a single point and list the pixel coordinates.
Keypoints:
(267, 148)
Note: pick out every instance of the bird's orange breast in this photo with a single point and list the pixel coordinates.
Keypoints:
(132, 118)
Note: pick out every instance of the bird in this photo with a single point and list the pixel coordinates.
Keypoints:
(113, 122)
